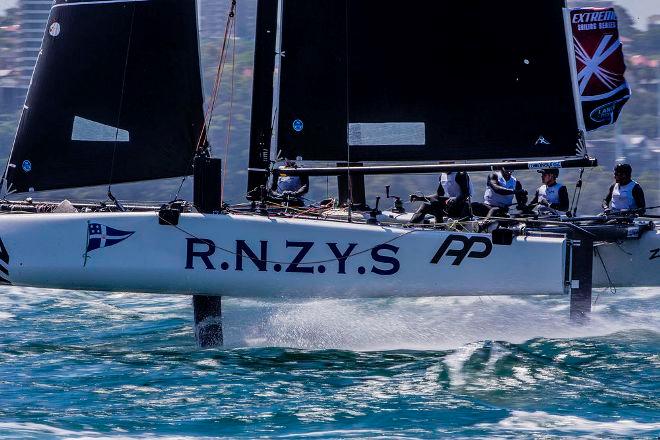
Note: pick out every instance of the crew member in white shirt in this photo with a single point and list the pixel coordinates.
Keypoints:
(451, 198)
(501, 188)
(625, 194)
(552, 194)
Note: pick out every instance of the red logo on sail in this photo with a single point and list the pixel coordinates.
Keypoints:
(600, 65)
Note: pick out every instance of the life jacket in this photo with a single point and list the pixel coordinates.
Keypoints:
(494, 199)
(622, 197)
(451, 187)
(288, 183)
(550, 193)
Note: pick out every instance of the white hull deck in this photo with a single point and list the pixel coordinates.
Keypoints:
(630, 263)
(243, 255)
(256, 256)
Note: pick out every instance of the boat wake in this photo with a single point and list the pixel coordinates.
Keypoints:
(357, 324)
(439, 323)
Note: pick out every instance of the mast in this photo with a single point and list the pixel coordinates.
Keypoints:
(262, 94)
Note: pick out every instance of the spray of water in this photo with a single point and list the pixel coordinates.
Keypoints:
(359, 324)
(439, 323)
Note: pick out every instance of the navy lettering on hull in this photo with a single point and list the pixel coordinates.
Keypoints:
(655, 253)
(377, 257)
(304, 246)
(200, 250)
(205, 248)
(241, 247)
(341, 257)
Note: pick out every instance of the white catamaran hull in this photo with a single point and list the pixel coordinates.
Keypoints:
(266, 257)
(630, 263)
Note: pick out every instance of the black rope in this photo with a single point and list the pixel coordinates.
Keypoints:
(121, 103)
(576, 192)
(349, 179)
(612, 287)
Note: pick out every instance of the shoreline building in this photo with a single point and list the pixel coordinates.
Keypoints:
(28, 21)
(32, 19)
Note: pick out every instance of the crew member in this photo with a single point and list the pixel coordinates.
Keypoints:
(501, 187)
(552, 193)
(451, 198)
(289, 189)
(625, 194)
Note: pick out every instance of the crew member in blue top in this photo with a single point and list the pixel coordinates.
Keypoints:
(289, 189)
(625, 194)
(501, 187)
(551, 194)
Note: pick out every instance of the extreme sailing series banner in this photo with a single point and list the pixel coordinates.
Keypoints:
(600, 65)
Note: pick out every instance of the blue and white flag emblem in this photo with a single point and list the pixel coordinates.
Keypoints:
(104, 236)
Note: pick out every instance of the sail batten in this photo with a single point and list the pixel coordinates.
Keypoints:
(116, 82)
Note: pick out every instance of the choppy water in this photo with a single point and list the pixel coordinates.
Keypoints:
(91, 365)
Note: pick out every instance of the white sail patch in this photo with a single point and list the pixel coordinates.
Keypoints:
(87, 130)
(387, 133)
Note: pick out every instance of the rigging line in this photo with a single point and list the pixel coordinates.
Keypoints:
(576, 192)
(121, 103)
(231, 24)
(607, 274)
(203, 134)
(231, 110)
(349, 179)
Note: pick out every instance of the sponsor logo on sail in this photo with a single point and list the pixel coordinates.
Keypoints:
(100, 236)
(54, 29)
(587, 20)
(600, 65)
(595, 67)
(606, 112)
(541, 141)
(546, 164)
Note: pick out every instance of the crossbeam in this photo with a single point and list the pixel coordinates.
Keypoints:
(585, 162)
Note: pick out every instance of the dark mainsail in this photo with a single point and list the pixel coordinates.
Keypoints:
(425, 80)
(117, 82)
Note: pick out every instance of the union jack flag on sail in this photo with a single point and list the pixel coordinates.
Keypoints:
(600, 65)
(103, 236)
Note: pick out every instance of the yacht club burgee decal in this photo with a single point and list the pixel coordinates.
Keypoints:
(100, 236)
(600, 65)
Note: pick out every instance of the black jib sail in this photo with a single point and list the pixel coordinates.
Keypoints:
(600, 65)
(116, 96)
(372, 80)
